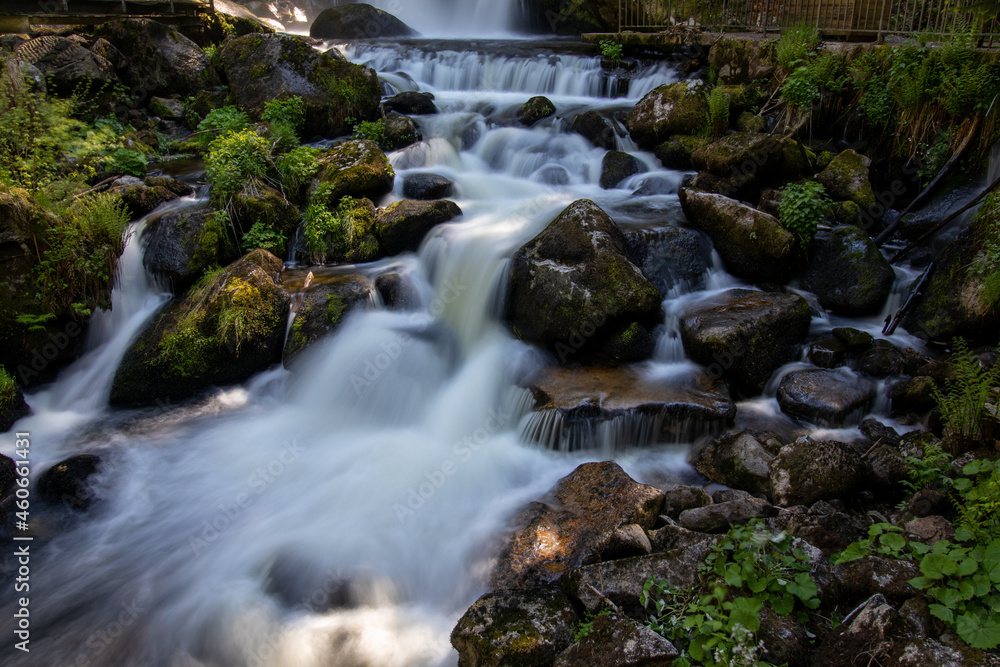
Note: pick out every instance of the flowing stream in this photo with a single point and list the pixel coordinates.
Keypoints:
(346, 513)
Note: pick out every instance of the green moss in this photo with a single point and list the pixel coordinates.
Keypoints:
(353, 89)
(186, 350)
(335, 307)
(8, 389)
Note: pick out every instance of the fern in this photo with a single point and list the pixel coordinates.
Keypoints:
(963, 402)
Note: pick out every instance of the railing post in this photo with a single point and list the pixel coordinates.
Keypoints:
(619, 16)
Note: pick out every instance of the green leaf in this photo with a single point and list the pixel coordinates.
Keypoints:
(967, 567)
(893, 541)
(783, 605)
(942, 612)
(963, 534)
(937, 566)
(978, 630)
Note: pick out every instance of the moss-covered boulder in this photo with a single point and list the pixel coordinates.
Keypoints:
(142, 197)
(66, 64)
(738, 152)
(597, 128)
(618, 641)
(961, 296)
(826, 397)
(677, 151)
(534, 110)
(846, 178)
(738, 61)
(573, 524)
(358, 21)
(676, 108)
(847, 273)
(400, 131)
(748, 122)
(321, 310)
(528, 628)
(616, 167)
(745, 336)
(265, 206)
(737, 460)
(227, 328)
(161, 61)
(402, 226)
(752, 244)
(575, 276)
(12, 406)
(262, 67)
(356, 168)
(181, 245)
(806, 471)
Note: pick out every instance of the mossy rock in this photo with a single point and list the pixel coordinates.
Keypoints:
(738, 61)
(676, 108)
(806, 471)
(268, 207)
(226, 329)
(676, 152)
(534, 110)
(846, 178)
(322, 310)
(739, 152)
(847, 272)
(400, 131)
(12, 405)
(182, 245)
(66, 65)
(742, 98)
(358, 21)
(356, 168)
(402, 226)
(748, 122)
(616, 167)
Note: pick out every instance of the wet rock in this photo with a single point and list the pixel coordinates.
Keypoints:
(166, 108)
(400, 131)
(886, 470)
(618, 641)
(806, 471)
(410, 103)
(584, 398)
(174, 243)
(881, 360)
(12, 408)
(677, 108)
(681, 498)
(427, 186)
(737, 460)
(739, 152)
(66, 64)
(266, 206)
(356, 168)
(524, 627)
(616, 167)
(752, 244)
(262, 68)
(574, 280)
(69, 482)
(229, 329)
(945, 651)
(8, 476)
(596, 128)
(748, 122)
(869, 632)
(534, 110)
(573, 524)
(403, 225)
(824, 397)
(846, 177)
(729, 495)
(855, 339)
(913, 395)
(929, 529)
(877, 432)
(161, 61)
(672, 537)
(719, 517)
(358, 21)
(785, 640)
(827, 352)
(677, 151)
(323, 308)
(633, 342)
(670, 256)
(395, 291)
(627, 541)
(847, 273)
(745, 336)
(871, 575)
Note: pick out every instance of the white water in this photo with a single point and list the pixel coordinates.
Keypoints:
(454, 18)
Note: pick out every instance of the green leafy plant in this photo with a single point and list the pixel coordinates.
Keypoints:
(370, 130)
(612, 50)
(929, 470)
(262, 235)
(219, 122)
(322, 230)
(298, 167)
(718, 112)
(964, 399)
(978, 504)
(287, 118)
(796, 44)
(586, 628)
(884, 539)
(800, 90)
(236, 161)
(129, 163)
(802, 207)
(8, 388)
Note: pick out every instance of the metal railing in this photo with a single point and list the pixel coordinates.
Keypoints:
(849, 19)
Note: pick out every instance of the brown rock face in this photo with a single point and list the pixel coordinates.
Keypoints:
(573, 524)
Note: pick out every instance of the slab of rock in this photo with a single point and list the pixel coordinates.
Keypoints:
(618, 641)
(681, 498)
(356, 168)
(738, 460)
(825, 397)
(403, 225)
(410, 103)
(358, 21)
(676, 108)
(66, 64)
(616, 167)
(672, 537)
(847, 273)
(596, 128)
(719, 517)
(806, 471)
(427, 186)
(627, 541)
(745, 335)
(573, 524)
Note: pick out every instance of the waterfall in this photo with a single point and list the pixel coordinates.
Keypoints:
(438, 18)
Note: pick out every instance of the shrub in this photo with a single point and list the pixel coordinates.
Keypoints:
(129, 162)
(801, 209)
(287, 118)
(796, 44)
(264, 236)
(612, 50)
(370, 130)
(8, 388)
(236, 161)
(800, 90)
(298, 167)
(322, 231)
(718, 112)
(223, 121)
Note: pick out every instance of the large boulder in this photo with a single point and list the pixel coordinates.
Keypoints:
(738, 460)
(738, 152)
(161, 61)
(66, 64)
(262, 67)
(575, 277)
(846, 178)
(596, 128)
(534, 110)
(806, 471)
(847, 273)
(618, 641)
(671, 256)
(745, 335)
(323, 307)
(403, 225)
(356, 168)
(524, 627)
(665, 410)
(228, 328)
(675, 108)
(573, 524)
(181, 244)
(142, 197)
(410, 103)
(358, 21)
(427, 186)
(266, 206)
(826, 397)
(616, 167)
(752, 244)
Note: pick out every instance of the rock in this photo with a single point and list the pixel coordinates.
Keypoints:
(410, 103)
(427, 186)
(913, 395)
(12, 408)
(877, 432)
(627, 541)
(729, 495)
(847, 273)
(573, 524)
(869, 633)
(846, 177)
(161, 61)
(677, 151)
(616, 167)
(633, 342)
(403, 225)
(67, 65)
(396, 292)
(357, 168)
(785, 640)
(584, 398)
(596, 128)
(69, 482)
(670, 256)
(618, 641)
(266, 206)
(534, 110)
(740, 153)
(105, 49)
(8, 477)
(224, 331)
(358, 21)
(828, 352)
(854, 339)
(323, 308)
(181, 244)
(361, 245)
(676, 108)
(524, 627)
(930, 529)
(748, 122)
(400, 131)
(719, 517)
(179, 188)
(166, 108)
(806, 471)
(672, 537)
(945, 651)
(744, 335)
(830, 531)
(881, 360)
(737, 460)
(139, 198)
(262, 68)
(753, 245)
(681, 498)
(825, 397)
(574, 277)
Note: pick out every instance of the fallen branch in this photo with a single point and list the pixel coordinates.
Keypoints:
(606, 600)
(890, 327)
(99, 186)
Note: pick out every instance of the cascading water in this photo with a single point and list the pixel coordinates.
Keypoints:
(455, 17)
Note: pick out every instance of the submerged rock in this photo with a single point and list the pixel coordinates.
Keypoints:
(358, 21)
(825, 397)
(69, 482)
(675, 108)
(402, 226)
(847, 273)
